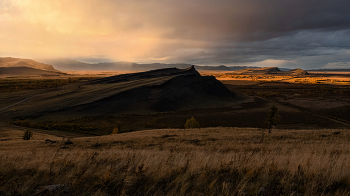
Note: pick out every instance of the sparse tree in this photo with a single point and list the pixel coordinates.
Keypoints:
(273, 118)
(117, 129)
(191, 123)
(27, 135)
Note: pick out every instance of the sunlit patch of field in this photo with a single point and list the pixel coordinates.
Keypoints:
(329, 72)
(208, 161)
(322, 80)
(314, 79)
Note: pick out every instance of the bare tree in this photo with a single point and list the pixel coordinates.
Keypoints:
(273, 118)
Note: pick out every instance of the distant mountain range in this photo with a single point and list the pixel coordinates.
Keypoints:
(328, 69)
(269, 71)
(62, 64)
(74, 65)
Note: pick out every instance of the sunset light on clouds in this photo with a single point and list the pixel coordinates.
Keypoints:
(310, 34)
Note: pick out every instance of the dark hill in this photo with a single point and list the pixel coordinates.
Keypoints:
(146, 92)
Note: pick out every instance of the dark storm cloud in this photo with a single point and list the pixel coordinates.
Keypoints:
(251, 19)
(249, 31)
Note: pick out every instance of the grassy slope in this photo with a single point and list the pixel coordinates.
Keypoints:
(210, 161)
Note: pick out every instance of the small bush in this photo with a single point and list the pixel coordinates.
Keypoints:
(27, 135)
(117, 129)
(191, 123)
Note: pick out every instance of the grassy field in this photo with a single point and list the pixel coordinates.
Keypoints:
(307, 155)
(208, 161)
(330, 79)
(15, 85)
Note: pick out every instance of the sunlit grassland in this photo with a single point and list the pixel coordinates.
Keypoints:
(208, 161)
(341, 80)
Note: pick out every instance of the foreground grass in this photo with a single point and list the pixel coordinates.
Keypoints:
(210, 161)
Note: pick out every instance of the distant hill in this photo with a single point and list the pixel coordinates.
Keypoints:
(285, 69)
(74, 65)
(263, 70)
(25, 67)
(296, 72)
(235, 68)
(326, 69)
(63, 64)
(17, 62)
(183, 66)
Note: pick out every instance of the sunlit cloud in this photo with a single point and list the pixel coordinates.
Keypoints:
(197, 32)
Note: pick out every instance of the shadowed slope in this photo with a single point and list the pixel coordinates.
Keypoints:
(146, 92)
(147, 74)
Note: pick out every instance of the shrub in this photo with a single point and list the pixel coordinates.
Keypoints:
(117, 129)
(27, 135)
(191, 123)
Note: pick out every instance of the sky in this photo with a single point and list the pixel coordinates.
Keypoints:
(305, 34)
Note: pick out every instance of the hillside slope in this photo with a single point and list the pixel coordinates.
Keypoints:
(147, 92)
(17, 62)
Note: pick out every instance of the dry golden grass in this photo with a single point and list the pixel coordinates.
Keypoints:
(208, 161)
(332, 80)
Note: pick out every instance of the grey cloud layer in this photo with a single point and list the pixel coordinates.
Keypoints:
(249, 19)
(254, 30)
